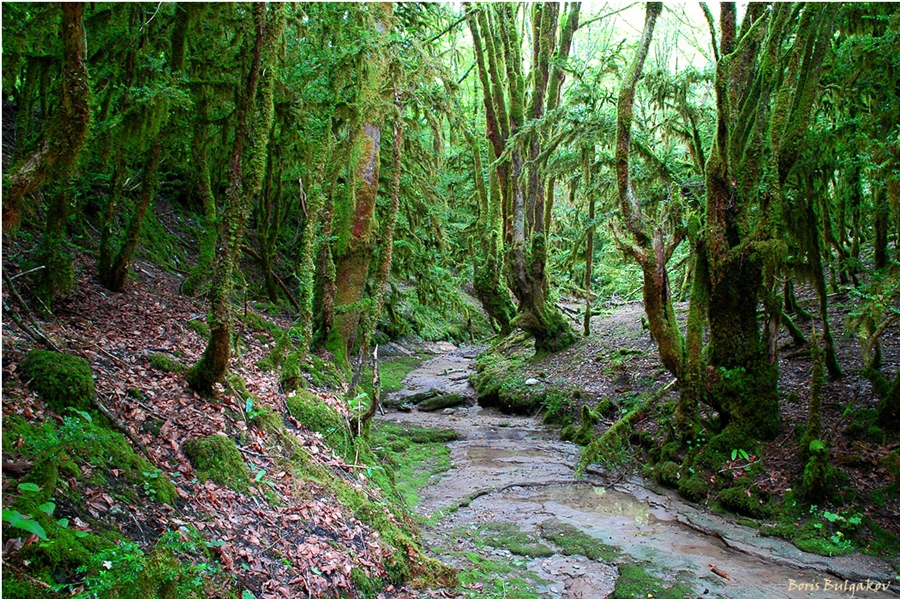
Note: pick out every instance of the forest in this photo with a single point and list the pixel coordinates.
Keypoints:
(270, 269)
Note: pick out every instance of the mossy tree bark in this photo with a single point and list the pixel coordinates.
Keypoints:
(488, 279)
(66, 133)
(524, 215)
(651, 248)
(356, 239)
(246, 169)
(114, 275)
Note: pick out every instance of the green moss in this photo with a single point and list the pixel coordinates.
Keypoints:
(693, 487)
(441, 401)
(217, 458)
(498, 579)
(583, 434)
(635, 582)
(891, 463)
(291, 377)
(62, 380)
(269, 421)
(55, 448)
(819, 545)
(505, 535)
(317, 416)
(742, 499)
(573, 541)
(818, 474)
(391, 371)
(199, 326)
(166, 363)
(667, 474)
(323, 374)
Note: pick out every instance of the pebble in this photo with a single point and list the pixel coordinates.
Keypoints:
(448, 411)
(531, 382)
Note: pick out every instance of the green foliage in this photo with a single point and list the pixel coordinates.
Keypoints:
(166, 363)
(217, 458)
(62, 380)
(61, 447)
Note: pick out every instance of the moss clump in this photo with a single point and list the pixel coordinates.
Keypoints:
(166, 363)
(498, 382)
(199, 327)
(217, 458)
(324, 374)
(891, 463)
(315, 414)
(291, 375)
(441, 401)
(693, 487)
(505, 535)
(635, 582)
(742, 499)
(267, 420)
(667, 474)
(573, 541)
(584, 434)
(62, 380)
(818, 473)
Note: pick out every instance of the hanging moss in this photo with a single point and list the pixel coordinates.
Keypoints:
(217, 458)
(62, 380)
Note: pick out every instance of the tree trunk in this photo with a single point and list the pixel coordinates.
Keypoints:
(251, 138)
(356, 238)
(67, 131)
(650, 248)
(114, 277)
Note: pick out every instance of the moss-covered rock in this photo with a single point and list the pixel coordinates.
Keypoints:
(441, 401)
(217, 458)
(62, 380)
(743, 499)
(693, 487)
(573, 541)
(667, 474)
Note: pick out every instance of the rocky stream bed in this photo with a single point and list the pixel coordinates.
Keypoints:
(512, 472)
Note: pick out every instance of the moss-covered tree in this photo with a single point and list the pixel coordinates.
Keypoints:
(245, 175)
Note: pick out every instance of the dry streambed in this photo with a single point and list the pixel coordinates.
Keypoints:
(512, 473)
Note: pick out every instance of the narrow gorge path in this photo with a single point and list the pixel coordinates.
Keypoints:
(511, 470)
